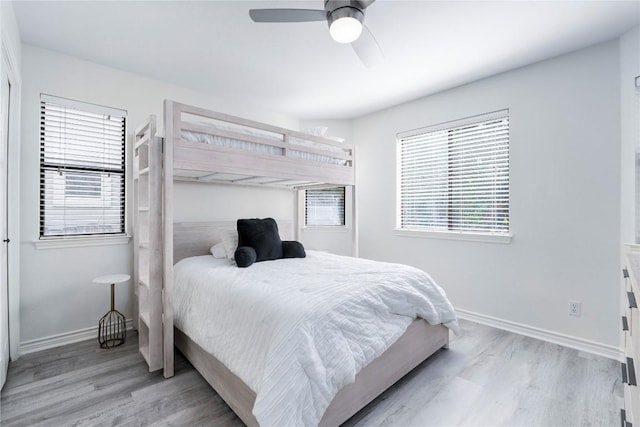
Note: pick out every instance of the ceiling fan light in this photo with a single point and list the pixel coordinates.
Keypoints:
(345, 30)
(345, 24)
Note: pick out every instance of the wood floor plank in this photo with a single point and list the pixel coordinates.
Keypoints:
(486, 377)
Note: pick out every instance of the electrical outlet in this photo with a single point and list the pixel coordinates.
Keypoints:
(575, 308)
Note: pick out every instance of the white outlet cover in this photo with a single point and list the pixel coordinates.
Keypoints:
(575, 308)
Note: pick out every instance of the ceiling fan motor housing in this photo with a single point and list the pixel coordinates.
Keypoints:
(343, 12)
(337, 9)
(332, 5)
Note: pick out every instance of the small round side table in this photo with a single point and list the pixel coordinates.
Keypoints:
(112, 329)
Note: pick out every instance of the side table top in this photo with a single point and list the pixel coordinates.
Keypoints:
(111, 278)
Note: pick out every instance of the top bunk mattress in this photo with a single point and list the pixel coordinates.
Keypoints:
(298, 330)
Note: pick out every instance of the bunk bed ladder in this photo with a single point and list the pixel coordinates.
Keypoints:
(147, 178)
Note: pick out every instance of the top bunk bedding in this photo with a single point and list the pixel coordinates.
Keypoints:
(210, 147)
(297, 330)
(321, 152)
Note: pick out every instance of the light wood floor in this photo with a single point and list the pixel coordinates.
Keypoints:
(487, 377)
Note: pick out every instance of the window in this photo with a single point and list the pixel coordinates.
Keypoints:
(324, 207)
(82, 170)
(455, 176)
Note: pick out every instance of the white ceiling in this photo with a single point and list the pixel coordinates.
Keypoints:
(297, 69)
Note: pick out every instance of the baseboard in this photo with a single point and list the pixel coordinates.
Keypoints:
(58, 340)
(592, 347)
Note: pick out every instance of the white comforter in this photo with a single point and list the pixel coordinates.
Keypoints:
(297, 330)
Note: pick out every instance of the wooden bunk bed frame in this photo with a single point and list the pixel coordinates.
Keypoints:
(158, 162)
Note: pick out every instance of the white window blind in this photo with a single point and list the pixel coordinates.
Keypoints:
(455, 176)
(324, 207)
(82, 168)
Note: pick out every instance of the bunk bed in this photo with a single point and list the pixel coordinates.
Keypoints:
(205, 146)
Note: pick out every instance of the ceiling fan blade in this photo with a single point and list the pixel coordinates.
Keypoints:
(287, 15)
(368, 49)
(365, 3)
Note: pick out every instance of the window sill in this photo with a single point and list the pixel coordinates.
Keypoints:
(78, 242)
(456, 235)
(326, 229)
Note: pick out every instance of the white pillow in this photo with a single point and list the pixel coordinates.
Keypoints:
(321, 131)
(229, 238)
(218, 250)
(316, 130)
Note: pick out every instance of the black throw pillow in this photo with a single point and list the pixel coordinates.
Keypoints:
(244, 256)
(262, 235)
(292, 249)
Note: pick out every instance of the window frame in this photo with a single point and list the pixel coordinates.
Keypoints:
(492, 236)
(636, 82)
(48, 241)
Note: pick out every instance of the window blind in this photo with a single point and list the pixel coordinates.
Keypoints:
(82, 168)
(325, 207)
(455, 176)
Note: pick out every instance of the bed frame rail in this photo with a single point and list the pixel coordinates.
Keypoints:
(212, 162)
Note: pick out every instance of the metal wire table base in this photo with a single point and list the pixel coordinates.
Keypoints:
(112, 327)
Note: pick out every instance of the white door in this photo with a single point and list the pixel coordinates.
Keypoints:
(5, 90)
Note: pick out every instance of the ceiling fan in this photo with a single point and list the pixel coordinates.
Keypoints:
(346, 24)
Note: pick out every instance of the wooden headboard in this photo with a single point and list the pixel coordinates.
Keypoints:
(196, 238)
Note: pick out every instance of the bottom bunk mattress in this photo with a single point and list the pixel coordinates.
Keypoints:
(296, 331)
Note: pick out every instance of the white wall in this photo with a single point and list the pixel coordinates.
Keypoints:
(58, 296)
(565, 198)
(630, 134)
(10, 34)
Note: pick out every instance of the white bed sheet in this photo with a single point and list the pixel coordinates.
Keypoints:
(297, 330)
